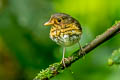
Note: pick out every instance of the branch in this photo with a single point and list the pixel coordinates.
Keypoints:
(56, 68)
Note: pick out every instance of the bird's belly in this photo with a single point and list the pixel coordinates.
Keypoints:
(66, 39)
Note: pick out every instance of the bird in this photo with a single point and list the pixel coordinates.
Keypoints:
(65, 31)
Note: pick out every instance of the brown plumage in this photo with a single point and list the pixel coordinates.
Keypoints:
(65, 30)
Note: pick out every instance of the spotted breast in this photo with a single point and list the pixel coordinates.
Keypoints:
(67, 34)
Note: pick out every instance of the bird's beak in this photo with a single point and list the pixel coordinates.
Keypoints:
(48, 23)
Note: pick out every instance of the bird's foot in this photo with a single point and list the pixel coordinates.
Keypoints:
(81, 51)
(63, 61)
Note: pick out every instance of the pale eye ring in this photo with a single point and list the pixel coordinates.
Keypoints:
(59, 20)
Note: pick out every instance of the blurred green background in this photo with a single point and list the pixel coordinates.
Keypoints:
(25, 47)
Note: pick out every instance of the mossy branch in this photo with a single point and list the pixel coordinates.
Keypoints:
(56, 68)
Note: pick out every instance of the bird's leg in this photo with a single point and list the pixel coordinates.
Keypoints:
(63, 58)
(81, 49)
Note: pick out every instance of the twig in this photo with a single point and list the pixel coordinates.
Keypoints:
(56, 68)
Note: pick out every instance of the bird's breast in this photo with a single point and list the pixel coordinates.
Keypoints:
(65, 36)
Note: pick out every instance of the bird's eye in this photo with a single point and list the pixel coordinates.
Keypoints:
(59, 20)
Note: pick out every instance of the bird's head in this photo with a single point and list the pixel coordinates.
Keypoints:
(59, 19)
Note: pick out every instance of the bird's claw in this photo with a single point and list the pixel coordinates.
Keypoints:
(63, 61)
(82, 52)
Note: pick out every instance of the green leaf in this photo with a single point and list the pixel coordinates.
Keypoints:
(115, 58)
